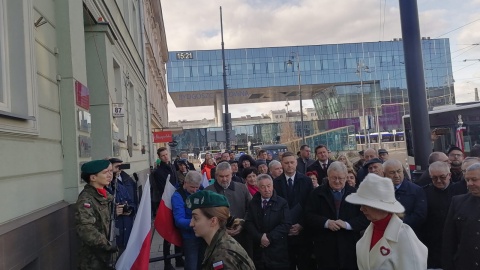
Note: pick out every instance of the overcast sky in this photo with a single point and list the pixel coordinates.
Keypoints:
(195, 25)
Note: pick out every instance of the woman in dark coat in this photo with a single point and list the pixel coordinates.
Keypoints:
(242, 165)
(268, 224)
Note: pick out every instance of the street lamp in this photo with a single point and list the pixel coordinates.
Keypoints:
(360, 68)
(290, 62)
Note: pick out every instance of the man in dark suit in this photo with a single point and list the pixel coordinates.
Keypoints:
(304, 160)
(335, 223)
(295, 188)
(321, 164)
(461, 237)
(425, 179)
(268, 224)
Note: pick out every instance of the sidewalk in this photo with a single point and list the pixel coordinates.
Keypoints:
(156, 250)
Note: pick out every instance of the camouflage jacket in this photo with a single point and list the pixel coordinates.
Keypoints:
(224, 252)
(92, 220)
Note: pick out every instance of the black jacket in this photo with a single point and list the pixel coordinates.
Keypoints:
(319, 169)
(461, 237)
(335, 250)
(412, 197)
(159, 179)
(275, 222)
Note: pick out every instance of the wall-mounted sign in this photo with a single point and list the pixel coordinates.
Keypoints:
(82, 95)
(84, 121)
(173, 144)
(162, 136)
(84, 146)
(184, 55)
(118, 110)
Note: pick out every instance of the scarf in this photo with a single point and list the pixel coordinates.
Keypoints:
(379, 228)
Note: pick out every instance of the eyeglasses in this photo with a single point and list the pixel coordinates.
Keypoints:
(441, 177)
(455, 155)
(337, 178)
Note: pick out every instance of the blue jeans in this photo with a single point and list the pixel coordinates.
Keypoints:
(193, 249)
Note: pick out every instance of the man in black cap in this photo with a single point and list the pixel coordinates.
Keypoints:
(374, 165)
(456, 157)
(383, 154)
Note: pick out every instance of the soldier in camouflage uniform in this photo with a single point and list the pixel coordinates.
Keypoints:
(92, 217)
(210, 215)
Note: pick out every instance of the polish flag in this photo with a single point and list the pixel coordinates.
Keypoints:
(137, 253)
(459, 138)
(164, 223)
(205, 182)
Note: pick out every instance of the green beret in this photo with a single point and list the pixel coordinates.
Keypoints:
(206, 199)
(95, 166)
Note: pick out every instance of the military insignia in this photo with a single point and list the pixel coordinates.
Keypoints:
(189, 204)
(218, 265)
(195, 201)
(203, 199)
(385, 251)
(87, 205)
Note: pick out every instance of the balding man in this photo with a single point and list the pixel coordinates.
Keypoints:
(368, 154)
(461, 186)
(425, 179)
(461, 236)
(411, 196)
(275, 168)
(439, 194)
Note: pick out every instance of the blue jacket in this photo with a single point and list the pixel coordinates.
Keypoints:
(413, 198)
(182, 215)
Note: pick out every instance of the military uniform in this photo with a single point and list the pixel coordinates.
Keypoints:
(226, 253)
(92, 220)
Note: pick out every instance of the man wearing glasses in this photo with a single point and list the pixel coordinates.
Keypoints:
(456, 157)
(439, 195)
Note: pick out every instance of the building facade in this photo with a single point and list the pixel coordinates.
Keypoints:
(73, 87)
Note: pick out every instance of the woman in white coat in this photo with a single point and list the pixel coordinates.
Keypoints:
(388, 243)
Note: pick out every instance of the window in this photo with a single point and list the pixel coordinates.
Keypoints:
(18, 101)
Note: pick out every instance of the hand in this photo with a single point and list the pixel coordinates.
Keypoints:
(264, 242)
(119, 209)
(234, 232)
(295, 229)
(341, 223)
(333, 226)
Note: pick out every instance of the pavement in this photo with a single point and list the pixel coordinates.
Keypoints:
(156, 250)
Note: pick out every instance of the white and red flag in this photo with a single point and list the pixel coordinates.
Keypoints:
(459, 138)
(164, 223)
(205, 182)
(137, 254)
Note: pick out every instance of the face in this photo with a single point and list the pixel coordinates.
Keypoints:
(342, 159)
(202, 226)
(103, 178)
(208, 156)
(115, 167)
(440, 178)
(251, 179)
(383, 156)
(265, 187)
(163, 156)
(289, 165)
(395, 173)
(370, 154)
(456, 158)
(234, 167)
(444, 158)
(184, 156)
(314, 180)
(473, 182)
(210, 161)
(376, 168)
(246, 163)
(232, 156)
(262, 168)
(226, 156)
(373, 214)
(337, 179)
(322, 154)
(351, 181)
(224, 177)
(182, 167)
(305, 153)
(191, 187)
(276, 170)
(263, 155)
(269, 156)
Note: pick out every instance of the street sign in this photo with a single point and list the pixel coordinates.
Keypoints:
(173, 144)
(118, 110)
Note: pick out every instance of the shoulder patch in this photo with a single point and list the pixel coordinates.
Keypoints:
(87, 205)
(218, 265)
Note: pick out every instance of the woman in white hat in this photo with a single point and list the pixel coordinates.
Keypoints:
(388, 243)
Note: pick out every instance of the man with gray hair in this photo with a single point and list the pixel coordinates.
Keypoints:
(337, 224)
(439, 195)
(193, 246)
(425, 179)
(275, 168)
(411, 196)
(238, 197)
(461, 236)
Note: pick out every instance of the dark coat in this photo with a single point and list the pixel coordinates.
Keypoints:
(334, 250)
(412, 197)
(438, 202)
(461, 236)
(424, 179)
(159, 179)
(303, 164)
(275, 223)
(319, 169)
(460, 187)
(242, 158)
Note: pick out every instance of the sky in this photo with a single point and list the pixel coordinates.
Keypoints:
(195, 25)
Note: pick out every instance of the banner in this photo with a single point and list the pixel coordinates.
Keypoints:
(162, 136)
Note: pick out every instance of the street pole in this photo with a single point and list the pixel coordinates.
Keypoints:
(360, 69)
(415, 83)
(226, 117)
(300, 95)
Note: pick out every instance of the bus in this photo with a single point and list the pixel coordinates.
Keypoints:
(444, 122)
(273, 149)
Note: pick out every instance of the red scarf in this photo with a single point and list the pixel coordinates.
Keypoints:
(252, 189)
(102, 191)
(379, 228)
(208, 169)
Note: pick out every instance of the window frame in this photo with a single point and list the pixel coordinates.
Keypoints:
(4, 89)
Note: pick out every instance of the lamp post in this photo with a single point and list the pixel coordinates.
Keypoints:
(360, 68)
(290, 62)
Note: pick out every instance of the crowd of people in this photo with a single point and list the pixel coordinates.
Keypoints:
(300, 212)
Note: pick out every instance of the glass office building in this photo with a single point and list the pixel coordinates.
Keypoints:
(345, 81)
